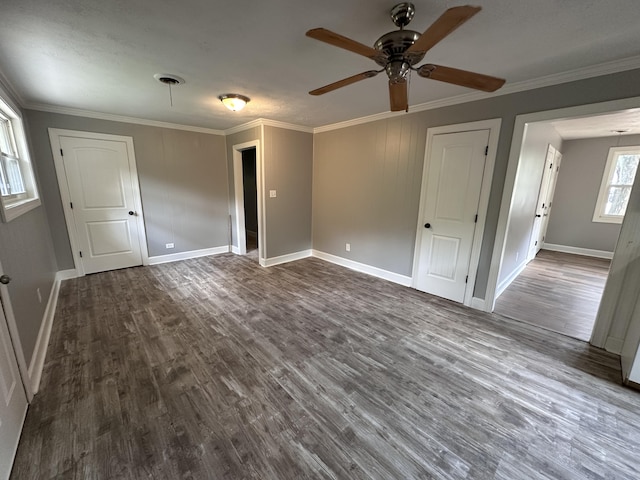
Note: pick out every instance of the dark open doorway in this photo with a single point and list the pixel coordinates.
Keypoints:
(250, 193)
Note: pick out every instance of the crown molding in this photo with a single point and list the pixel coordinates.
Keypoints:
(10, 94)
(267, 123)
(154, 123)
(119, 118)
(546, 81)
(244, 126)
(607, 68)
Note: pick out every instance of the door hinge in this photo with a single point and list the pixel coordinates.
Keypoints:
(466, 280)
(486, 150)
(61, 152)
(80, 254)
(476, 219)
(71, 204)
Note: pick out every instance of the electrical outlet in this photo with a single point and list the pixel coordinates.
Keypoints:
(39, 295)
(170, 245)
(348, 247)
(272, 193)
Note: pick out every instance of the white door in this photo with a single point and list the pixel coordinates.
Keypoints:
(543, 205)
(456, 163)
(555, 170)
(13, 400)
(102, 196)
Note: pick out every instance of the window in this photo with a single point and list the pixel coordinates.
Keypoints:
(18, 191)
(617, 181)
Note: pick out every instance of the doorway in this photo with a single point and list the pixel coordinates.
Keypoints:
(248, 231)
(589, 115)
(99, 188)
(250, 197)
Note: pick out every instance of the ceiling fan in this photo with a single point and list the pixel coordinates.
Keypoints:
(398, 51)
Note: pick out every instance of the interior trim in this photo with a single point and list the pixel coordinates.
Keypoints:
(290, 257)
(364, 268)
(587, 252)
(607, 68)
(40, 350)
(77, 112)
(174, 257)
(546, 81)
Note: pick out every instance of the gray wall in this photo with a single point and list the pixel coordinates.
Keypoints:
(182, 175)
(288, 165)
(27, 256)
(385, 212)
(537, 138)
(366, 191)
(571, 221)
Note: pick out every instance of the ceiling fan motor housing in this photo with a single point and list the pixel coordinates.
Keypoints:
(394, 45)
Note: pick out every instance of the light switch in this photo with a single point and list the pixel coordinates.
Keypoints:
(272, 193)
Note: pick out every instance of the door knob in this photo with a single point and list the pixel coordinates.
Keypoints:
(131, 212)
(427, 225)
(5, 279)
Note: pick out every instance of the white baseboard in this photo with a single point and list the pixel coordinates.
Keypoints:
(235, 249)
(587, 252)
(66, 274)
(174, 257)
(291, 257)
(42, 342)
(503, 285)
(364, 268)
(614, 345)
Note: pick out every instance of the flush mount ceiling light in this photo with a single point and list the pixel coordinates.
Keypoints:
(234, 101)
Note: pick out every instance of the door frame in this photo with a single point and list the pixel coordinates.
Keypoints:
(493, 125)
(63, 185)
(604, 319)
(238, 187)
(15, 340)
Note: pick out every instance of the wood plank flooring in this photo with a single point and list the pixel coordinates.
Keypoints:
(557, 291)
(217, 368)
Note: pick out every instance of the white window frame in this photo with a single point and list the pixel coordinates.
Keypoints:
(13, 206)
(614, 152)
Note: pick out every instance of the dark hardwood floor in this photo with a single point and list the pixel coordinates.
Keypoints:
(557, 291)
(217, 368)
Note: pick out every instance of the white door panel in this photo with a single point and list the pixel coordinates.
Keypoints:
(13, 400)
(455, 168)
(102, 193)
(543, 204)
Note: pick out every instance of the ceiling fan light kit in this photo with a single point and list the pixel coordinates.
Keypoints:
(234, 101)
(398, 51)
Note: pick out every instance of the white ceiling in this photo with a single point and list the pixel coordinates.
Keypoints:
(101, 56)
(626, 122)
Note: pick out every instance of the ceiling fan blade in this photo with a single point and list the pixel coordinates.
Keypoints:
(344, 82)
(463, 78)
(398, 96)
(443, 26)
(338, 40)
